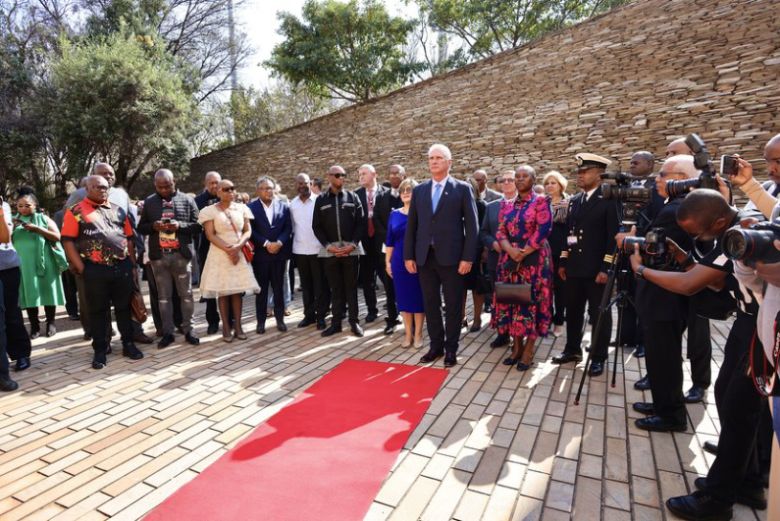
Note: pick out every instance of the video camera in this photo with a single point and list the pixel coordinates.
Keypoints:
(701, 160)
(753, 244)
(653, 243)
(634, 198)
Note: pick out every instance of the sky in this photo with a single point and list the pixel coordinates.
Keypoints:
(259, 22)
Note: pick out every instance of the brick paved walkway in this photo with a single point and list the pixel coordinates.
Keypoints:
(496, 444)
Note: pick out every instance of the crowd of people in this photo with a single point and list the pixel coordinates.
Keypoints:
(429, 243)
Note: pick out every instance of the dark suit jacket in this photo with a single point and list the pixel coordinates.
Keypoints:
(202, 243)
(594, 222)
(185, 211)
(487, 233)
(382, 208)
(453, 226)
(278, 230)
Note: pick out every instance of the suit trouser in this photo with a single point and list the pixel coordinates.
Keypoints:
(312, 275)
(436, 279)
(171, 271)
(372, 264)
(17, 338)
(739, 409)
(4, 365)
(342, 274)
(71, 293)
(663, 352)
(105, 286)
(699, 350)
(85, 315)
(154, 301)
(559, 295)
(579, 292)
(269, 273)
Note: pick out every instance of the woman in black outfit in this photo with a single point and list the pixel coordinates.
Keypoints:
(555, 187)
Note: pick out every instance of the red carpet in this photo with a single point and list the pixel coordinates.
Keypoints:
(322, 457)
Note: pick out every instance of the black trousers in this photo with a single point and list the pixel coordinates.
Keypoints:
(313, 283)
(630, 327)
(740, 409)
(106, 286)
(71, 293)
(559, 296)
(663, 355)
(269, 274)
(155, 304)
(16, 334)
(4, 365)
(342, 274)
(436, 279)
(699, 350)
(579, 292)
(372, 265)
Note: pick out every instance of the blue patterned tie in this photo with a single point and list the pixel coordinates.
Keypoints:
(436, 196)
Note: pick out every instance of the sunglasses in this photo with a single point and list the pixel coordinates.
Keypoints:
(405, 191)
(228, 189)
(338, 175)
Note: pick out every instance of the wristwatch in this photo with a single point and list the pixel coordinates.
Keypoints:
(640, 271)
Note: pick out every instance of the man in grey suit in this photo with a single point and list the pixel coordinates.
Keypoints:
(440, 243)
(487, 234)
(485, 193)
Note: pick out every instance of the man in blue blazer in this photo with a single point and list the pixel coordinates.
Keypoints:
(272, 237)
(440, 243)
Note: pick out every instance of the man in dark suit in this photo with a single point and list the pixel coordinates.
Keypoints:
(592, 224)
(376, 200)
(206, 198)
(487, 235)
(272, 237)
(486, 194)
(441, 239)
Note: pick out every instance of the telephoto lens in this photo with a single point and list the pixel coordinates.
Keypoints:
(753, 244)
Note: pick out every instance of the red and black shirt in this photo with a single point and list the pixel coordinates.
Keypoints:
(100, 231)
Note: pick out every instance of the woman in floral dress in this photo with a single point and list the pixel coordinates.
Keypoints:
(526, 258)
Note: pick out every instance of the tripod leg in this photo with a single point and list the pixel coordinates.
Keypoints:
(621, 303)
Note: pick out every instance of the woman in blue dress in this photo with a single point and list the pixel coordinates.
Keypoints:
(408, 294)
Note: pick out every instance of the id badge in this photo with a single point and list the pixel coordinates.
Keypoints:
(571, 240)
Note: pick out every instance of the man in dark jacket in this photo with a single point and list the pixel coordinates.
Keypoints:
(206, 198)
(339, 225)
(170, 219)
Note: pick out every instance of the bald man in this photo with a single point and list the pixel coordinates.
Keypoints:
(206, 198)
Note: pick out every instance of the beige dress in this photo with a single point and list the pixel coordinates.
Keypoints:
(220, 276)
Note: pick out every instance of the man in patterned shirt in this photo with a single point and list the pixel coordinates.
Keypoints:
(95, 236)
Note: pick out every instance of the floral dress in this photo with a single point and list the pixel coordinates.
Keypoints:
(526, 222)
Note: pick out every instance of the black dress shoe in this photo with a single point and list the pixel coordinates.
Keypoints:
(500, 341)
(332, 330)
(660, 424)
(753, 498)
(281, 326)
(74, 317)
(370, 317)
(260, 329)
(694, 395)
(130, 351)
(98, 361)
(700, 506)
(596, 368)
(450, 360)
(509, 361)
(191, 338)
(165, 341)
(321, 325)
(390, 328)
(211, 330)
(356, 329)
(639, 352)
(643, 384)
(87, 336)
(306, 322)
(565, 358)
(7, 385)
(475, 329)
(644, 408)
(142, 338)
(711, 447)
(429, 357)
(22, 363)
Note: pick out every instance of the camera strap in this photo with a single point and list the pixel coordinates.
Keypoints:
(765, 380)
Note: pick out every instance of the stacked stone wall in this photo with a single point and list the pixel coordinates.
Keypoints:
(632, 79)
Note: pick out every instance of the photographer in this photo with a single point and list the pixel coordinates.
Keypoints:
(735, 475)
(664, 314)
(763, 197)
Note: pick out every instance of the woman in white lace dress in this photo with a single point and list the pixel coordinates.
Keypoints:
(227, 275)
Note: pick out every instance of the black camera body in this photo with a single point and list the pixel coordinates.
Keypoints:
(652, 246)
(633, 198)
(701, 160)
(753, 244)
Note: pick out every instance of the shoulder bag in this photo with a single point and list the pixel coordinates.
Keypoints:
(248, 249)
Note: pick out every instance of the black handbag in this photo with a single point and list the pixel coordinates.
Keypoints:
(513, 292)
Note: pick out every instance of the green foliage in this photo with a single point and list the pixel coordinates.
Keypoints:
(110, 99)
(490, 26)
(343, 50)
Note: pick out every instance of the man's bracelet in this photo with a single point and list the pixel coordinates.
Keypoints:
(640, 271)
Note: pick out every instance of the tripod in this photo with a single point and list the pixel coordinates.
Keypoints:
(621, 300)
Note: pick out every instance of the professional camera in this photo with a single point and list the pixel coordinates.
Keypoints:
(753, 244)
(653, 243)
(634, 198)
(701, 160)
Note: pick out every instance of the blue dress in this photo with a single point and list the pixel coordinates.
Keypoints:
(408, 293)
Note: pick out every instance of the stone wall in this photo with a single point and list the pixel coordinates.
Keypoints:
(628, 80)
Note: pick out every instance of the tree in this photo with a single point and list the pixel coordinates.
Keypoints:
(111, 100)
(489, 26)
(344, 51)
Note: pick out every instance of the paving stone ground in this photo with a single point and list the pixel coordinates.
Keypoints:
(496, 444)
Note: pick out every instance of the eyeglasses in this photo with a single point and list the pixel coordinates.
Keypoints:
(505, 181)
(228, 188)
(24, 206)
(338, 175)
(405, 191)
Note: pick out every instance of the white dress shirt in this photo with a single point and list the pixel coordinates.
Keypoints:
(304, 240)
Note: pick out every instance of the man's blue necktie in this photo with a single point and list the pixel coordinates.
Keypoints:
(436, 196)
